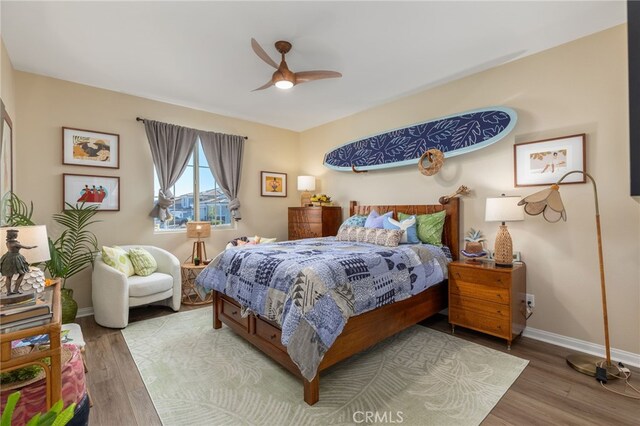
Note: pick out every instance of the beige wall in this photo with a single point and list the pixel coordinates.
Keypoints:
(7, 83)
(578, 87)
(46, 104)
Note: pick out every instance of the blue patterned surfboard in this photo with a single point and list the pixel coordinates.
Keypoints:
(453, 135)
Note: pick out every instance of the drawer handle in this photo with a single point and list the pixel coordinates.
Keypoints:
(234, 312)
(273, 336)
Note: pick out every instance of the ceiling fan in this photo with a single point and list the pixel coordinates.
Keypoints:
(283, 78)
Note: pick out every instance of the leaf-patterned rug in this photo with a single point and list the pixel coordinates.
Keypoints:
(200, 376)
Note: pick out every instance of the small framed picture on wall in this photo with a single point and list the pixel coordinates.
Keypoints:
(544, 162)
(103, 191)
(273, 184)
(88, 148)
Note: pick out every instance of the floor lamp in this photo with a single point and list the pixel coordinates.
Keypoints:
(549, 203)
(198, 230)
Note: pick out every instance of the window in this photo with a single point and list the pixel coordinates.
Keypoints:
(210, 205)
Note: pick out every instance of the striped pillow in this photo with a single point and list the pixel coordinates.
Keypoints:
(143, 263)
(381, 237)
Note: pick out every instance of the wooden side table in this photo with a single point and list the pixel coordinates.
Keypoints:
(189, 294)
(487, 298)
(53, 372)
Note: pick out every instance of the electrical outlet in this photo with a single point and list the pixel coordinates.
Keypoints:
(531, 300)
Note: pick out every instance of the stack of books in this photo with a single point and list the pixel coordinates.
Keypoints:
(22, 311)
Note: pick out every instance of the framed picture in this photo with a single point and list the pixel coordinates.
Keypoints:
(90, 189)
(88, 148)
(273, 184)
(6, 163)
(544, 162)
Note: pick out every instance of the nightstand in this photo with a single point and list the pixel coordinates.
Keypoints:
(312, 222)
(488, 299)
(189, 294)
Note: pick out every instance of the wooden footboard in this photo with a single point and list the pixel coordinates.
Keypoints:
(360, 333)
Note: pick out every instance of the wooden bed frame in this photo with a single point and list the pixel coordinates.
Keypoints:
(361, 331)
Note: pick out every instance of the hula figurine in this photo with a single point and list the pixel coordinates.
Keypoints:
(12, 262)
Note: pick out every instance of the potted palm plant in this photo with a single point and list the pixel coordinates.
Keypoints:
(72, 252)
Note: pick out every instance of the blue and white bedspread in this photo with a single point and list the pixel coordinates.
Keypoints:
(311, 287)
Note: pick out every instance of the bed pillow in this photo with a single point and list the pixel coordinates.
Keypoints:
(143, 262)
(409, 227)
(429, 226)
(118, 259)
(381, 237)
(355, 220)
(374, 220)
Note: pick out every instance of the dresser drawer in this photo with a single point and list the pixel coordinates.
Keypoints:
(480, 276)
(310, 215)
(495, 310)
(304, 230)
(270, 334)
(479, 322)
(231, 310)
(490, 293)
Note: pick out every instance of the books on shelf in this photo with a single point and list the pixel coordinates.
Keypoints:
(20, 299)
(26, 323)
(25, 312)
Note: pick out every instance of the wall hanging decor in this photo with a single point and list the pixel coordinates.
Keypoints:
(88, 148)
(273, 184)
(103, 191)
(543, 162)
(453, 135)
(436, 161)
(461, 191)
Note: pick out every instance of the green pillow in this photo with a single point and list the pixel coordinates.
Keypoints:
(117, 258)
(143, 263)
(430, 226)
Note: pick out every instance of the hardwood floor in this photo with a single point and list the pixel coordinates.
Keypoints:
(547, 392)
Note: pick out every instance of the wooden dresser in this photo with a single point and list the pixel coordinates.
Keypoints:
(312, 222)
(485, 298)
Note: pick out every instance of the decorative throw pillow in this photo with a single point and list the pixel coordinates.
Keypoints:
(409, 227)
(118, 259)
(381, 237)
(143, 263)
(355, 220)
(264, 240)
(374, 220)
(430, 227)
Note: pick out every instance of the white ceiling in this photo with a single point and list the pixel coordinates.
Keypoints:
(198, 54)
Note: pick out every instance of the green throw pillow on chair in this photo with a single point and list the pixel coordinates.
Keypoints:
(143, 263)
(118, 259)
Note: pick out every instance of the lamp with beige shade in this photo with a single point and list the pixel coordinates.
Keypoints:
(306, 184)
(198, 230)
(503, 209)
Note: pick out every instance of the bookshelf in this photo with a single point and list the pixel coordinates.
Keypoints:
(54, 371)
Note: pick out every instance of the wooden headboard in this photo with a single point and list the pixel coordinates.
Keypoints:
(451, 232)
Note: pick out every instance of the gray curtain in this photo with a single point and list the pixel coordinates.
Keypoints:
(171, 147)
(224, 155)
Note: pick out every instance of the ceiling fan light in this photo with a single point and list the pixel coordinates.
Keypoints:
(284, 84)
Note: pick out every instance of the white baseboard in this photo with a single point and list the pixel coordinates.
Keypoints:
(85, 312)
(627, 358)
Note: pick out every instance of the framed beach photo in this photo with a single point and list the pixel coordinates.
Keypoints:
(103, 191)
(88, 148)
(544, 162)
(273, 184)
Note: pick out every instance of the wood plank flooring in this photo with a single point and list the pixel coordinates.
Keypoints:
(547, 392)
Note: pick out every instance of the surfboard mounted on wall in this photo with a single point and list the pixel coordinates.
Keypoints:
(453, 135)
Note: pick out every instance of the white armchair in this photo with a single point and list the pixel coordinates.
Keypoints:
(114, 293)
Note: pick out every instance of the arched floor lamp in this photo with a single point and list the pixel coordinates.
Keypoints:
(549, 203)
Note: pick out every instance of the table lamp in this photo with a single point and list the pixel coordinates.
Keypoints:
(306, 184)
(36, 238)
(549, 203)
(503, 209)
(198, 230)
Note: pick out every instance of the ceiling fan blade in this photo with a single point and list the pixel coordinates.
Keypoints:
(304, 76)
(264, 86)
(262, 54)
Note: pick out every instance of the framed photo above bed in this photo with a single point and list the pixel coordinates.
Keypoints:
(544, 162)
(91, 189)
(88, 148)
(273, 184)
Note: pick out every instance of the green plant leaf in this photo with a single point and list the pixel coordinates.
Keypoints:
(64, 417)
(34, 420)
(7, 413)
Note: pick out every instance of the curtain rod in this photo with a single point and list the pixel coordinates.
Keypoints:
(143, 119)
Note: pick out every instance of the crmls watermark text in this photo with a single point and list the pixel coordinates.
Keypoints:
(370, 417)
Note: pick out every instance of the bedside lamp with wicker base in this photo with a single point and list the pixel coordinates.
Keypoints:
(198, 230)
(503, 209)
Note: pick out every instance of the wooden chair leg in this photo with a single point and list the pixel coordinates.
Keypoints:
(216, 312)
(312, 390)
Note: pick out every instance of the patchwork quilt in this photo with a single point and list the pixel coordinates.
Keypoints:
(311, 287)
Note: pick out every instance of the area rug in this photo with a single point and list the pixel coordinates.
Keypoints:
(199, 376)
